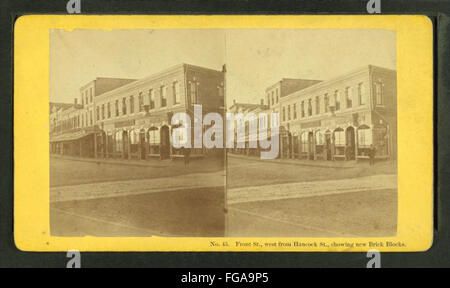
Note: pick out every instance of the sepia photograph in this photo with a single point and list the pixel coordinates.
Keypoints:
(223, 133)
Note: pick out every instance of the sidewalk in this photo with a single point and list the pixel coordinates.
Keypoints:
(299, 162)
(153, 162)
(136, 186)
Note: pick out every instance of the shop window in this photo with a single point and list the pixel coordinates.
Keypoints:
(119, 141)
(364, 137)
(339, 138)
(319, 138)
(305, 142)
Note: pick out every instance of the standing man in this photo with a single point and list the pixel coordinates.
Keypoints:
(372, 151)
(187, 154)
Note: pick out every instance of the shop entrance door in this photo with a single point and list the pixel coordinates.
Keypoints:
(328, 146)
(165, 143)
(311, 145)
(142, 144)
(350, 141)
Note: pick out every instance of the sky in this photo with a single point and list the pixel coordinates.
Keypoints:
(255, 58)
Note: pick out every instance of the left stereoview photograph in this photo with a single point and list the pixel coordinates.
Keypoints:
(121, 102)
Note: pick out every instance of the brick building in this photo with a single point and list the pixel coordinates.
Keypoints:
(339, 118)
(131, 119)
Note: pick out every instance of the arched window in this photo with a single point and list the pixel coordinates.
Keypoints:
(319, 138)
(339, 137)
(304, 141)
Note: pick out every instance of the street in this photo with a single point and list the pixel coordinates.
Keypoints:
(264, 198)
(276, 199)
(163, 198)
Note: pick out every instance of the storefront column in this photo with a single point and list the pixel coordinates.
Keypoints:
(106, 145)
(314, 146)
(129, 145)
(356, 144)
(95, 145)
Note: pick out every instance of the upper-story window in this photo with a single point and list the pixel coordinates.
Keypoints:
(379, 93)
(268, 99)
(141, 102)
(349, 97)
(131, 104)
(90, 94)
(82, 100)
(294, 108)
(317, 105)
(116, 107)
(289, 112)
(193, 91)
(87, 99)
(98, 112)
(109, 109)
(337, 100)
(124, 106)
(276, 96)
(151, 98)
(310, 107)
(103, 111)
(273, 98)
(361, 94)
(91, 119)
(302, 108)
(176, 92)
(163, 95)
(284, 113)
(326, 100)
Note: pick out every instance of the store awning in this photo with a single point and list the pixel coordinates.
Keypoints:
(71, 136)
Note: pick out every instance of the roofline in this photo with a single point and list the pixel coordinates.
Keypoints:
(161, 73)
(338, 78)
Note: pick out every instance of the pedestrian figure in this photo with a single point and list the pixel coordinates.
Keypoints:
(372, 151)
(187, 154)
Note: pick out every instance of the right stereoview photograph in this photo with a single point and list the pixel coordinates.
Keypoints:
(314, 152)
